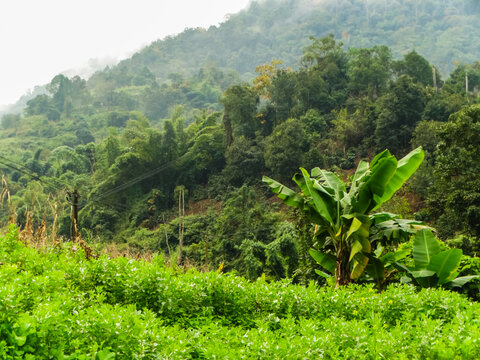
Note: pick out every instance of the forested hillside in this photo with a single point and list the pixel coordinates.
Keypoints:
(167, 149)
(279, 29)
(441, 30)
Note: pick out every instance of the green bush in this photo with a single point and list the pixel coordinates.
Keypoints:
(55, 304)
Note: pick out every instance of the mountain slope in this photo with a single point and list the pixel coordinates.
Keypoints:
(440, 30)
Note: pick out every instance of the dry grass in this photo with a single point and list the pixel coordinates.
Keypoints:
(43, 236)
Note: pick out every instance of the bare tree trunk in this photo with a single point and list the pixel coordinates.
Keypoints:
(206, 252)
(73, 199)
(466, 82)
(181, 224)
(166, 237)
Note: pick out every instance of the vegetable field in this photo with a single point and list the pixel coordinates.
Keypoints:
(54, 304)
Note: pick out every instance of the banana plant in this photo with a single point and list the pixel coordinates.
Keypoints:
(432, 266)
(345, 224)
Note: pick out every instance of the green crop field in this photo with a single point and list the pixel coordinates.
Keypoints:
(54, 304)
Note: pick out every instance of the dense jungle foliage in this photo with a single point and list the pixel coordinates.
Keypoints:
(162, 158)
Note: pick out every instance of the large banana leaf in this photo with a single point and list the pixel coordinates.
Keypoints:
(462, 280)
(358, 180)
(376, 269)
(360, 225)
(362, 169)
(405, 168)
(383, 155)
(444, 264)
(360, 262)
(382, 173)
(356, 248)
(374, 186)
(425, 246)
(289, 196)
(383, 216)
(321, 206)
(393, 257)
(397, 229)
(327, 261)
(330, 181)
(425, 278)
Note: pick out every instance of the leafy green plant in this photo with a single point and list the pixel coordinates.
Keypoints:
(346, 228)
(432, 266)
(55, 304)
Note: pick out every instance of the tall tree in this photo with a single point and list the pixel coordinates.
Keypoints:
(399, 111)
(285, 147)
(327, 58)
(417, 67)
(456, 197)
(60, 88)
(240, 102)
(369, 71)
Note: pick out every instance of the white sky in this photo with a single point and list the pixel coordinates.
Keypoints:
(41, 38)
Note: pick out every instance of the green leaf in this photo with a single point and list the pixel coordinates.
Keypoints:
(366, 245)
(323, 274)
(289, 196)
(362, 169)
(378, 218)
(405, 168)
(462, 280)
(360, 262)
(358, 180)
(378, 251)
(329, 179)
(307, 205)
(375, 269)
(354, 226)
(327, 261)
(105, 354)
(364, 231)
(356, 248)
(401, 267)
(422, 273)
(445, 263)
(425, 246)
(368, 193)
(316, 172)
(395, 229)
(320, 206)
(425, 278)
(359, 230)
(20, 340)
(382, 174)
(392, 257)
(383, 155)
